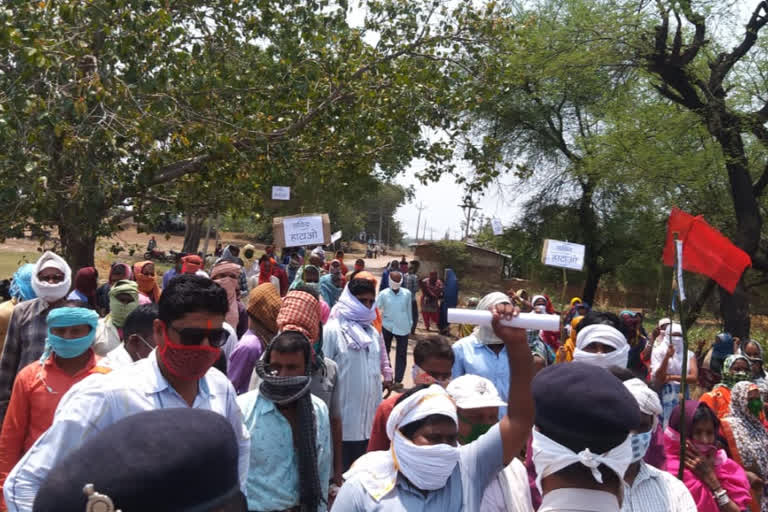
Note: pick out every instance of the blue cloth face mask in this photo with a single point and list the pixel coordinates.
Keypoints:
(640, 444)
(70, 347)
(66, 317)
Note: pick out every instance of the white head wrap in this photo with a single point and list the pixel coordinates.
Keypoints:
(427, 467)
(549, 457)
(319, 252)
(607, 335)
(485, 334)
(646, 398)
(538, 297)
(675, 365)
(49, 291)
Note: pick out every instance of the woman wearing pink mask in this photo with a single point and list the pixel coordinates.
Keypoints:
(716, 482)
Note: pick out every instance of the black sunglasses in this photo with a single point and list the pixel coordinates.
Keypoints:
(195, 336)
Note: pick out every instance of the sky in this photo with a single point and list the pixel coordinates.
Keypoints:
(441, 205)
(441, 199)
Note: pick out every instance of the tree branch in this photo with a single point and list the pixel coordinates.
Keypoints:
(195, 164)
(726, 61)
(759, 186)
(694, 311)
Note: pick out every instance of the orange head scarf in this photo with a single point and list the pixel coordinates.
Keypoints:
(147, 284)
(191, 264)
(378, 322)
(300, 312)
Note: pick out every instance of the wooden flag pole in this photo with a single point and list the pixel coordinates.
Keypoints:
(684, 370)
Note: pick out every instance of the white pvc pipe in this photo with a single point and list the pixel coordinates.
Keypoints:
(532, 321)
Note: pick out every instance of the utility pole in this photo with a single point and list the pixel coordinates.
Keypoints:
(424, 233)
(431, 233)
(381, 219)
(418, 220)
(468, 206)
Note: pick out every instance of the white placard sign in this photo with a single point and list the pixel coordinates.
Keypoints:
(281, 193)
(335, 236)
(303, 231)
(563, 254)
(498, 229)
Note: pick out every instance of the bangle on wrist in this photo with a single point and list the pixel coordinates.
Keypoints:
(721, 497)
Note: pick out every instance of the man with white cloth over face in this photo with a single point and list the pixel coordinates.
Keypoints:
(27, 329)
(424, 469)
(581, 439)
(483, 353)
(647, 489)
(601, 345)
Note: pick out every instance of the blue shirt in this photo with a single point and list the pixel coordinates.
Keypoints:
(396, 312)
(77, 295)
(169, 274)
(479, 463)
(101, 400)
(359, 380)
(475, 358)
(273, 482)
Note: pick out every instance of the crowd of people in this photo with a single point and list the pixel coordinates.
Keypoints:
(264, 383)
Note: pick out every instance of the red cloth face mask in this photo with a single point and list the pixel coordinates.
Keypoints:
(188, 362)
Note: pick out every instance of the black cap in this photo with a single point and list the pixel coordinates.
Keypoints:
(584, 406)
(166, 460)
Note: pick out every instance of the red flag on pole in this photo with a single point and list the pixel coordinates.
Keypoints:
(705, 250)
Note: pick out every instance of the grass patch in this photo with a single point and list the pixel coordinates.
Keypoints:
(11, 261)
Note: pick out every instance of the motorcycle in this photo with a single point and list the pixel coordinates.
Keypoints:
(162, 256)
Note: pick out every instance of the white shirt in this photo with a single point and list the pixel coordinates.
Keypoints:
(98, 401)
(579, 500)
(656, 491)
(229, 345)
(107, 338)
(509, 491)
(117, 358)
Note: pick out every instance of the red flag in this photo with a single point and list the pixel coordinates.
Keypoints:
(705, 250)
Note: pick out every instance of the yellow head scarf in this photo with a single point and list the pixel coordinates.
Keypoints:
(565, 353)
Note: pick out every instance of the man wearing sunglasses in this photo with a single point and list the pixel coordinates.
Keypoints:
(27, 329)
(188, 333)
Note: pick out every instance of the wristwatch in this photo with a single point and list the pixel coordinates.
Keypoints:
(721, 497)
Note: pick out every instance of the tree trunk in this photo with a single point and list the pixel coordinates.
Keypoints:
(588, 224)
(591, 283)
(193, 233)
(77, 246)
(749, 221)
(735, 311)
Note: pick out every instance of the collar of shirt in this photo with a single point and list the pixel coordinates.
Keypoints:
(482, 346)
(37, 307)
(573, 499)
(51, 365)
(155, 382)
(643, 474)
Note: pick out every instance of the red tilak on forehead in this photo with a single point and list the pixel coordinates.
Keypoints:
(209, 325)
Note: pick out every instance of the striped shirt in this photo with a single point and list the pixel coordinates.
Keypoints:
(359, 380)
(656, 491)
(24, 344)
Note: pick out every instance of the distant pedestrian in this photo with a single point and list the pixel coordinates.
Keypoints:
(431, 293)
(395, 306)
